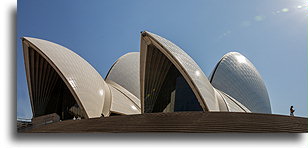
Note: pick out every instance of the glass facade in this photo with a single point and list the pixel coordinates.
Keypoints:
(185, 99)
(166, 89)
(193, 74)
(175, 95)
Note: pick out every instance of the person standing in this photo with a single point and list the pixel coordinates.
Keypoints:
(292, 111)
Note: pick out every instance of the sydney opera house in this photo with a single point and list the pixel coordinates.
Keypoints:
(152, 90)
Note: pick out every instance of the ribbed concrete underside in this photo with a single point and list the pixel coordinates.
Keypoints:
(181, 122)
(43, 80)
(157, 67)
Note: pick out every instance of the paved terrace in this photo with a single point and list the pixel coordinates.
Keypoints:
(180, 122)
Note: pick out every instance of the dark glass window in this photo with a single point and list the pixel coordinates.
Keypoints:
(185, 99)
(166, 90)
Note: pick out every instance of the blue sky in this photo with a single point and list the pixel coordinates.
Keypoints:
(272, 34)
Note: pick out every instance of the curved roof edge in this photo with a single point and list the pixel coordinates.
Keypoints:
(123, 102)
(125, 72)
(211, 76)
(129, 53)
(243, 73)
(192, 73)
(86, 85)
(232, 104)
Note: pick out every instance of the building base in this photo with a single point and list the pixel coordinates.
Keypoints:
(186, 122)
